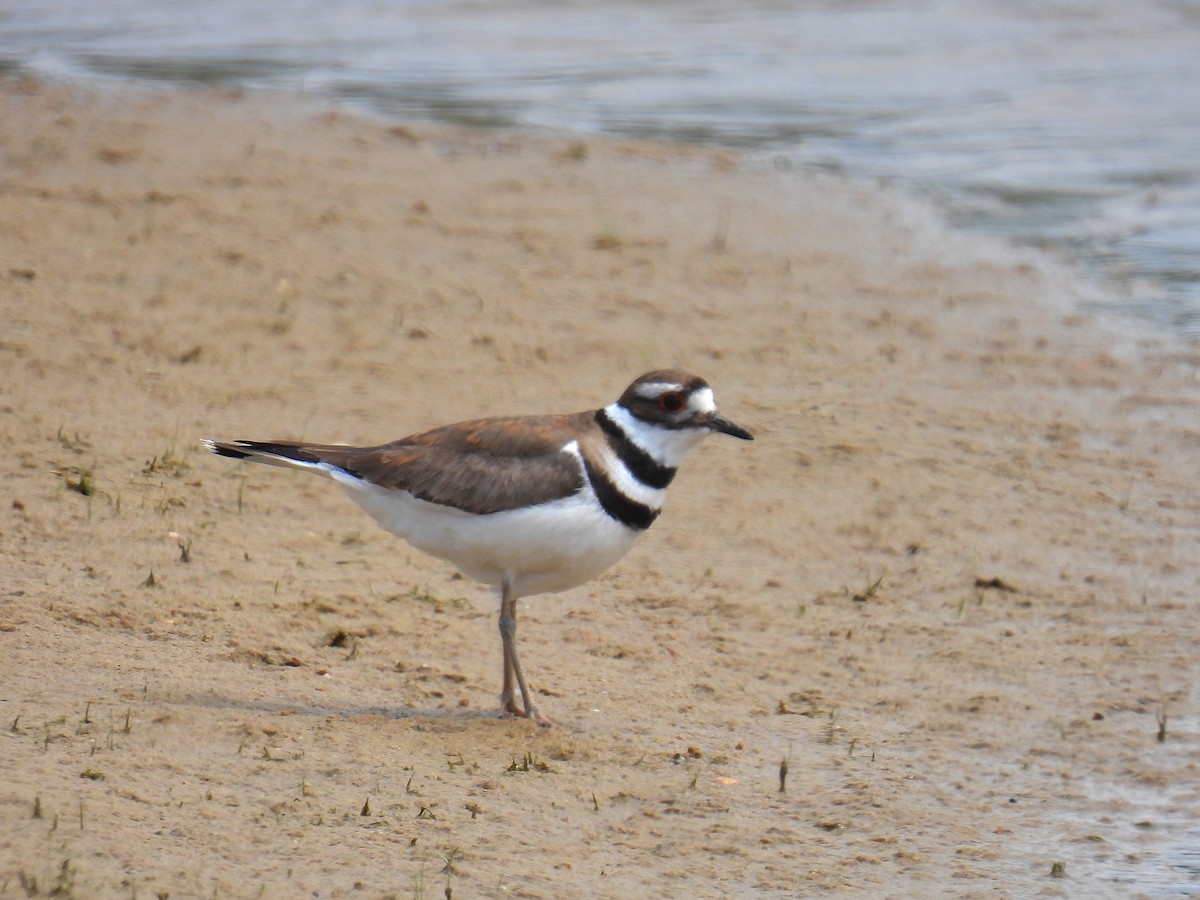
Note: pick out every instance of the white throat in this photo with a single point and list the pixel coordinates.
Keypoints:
(667, 446)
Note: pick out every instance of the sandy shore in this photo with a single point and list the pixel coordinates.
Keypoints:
(953, 583)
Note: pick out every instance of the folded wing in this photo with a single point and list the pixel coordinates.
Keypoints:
(484, 466)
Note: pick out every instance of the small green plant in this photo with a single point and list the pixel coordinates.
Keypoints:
(448, 869)
(166, 463)
(720, 240)
(833, 726)
(869, 592)
(73, 442)
(61, 884)
(528, 763)
(83, 481)
(607, 240)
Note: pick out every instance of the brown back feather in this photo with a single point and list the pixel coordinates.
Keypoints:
(483, 466)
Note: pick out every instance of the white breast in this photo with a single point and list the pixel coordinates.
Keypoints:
(539, 549)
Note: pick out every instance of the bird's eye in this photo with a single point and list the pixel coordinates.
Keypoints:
(672, 401)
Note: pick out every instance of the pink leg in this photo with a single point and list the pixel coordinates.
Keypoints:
(513, 676)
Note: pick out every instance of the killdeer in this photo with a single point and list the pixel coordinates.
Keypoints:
(528, 505)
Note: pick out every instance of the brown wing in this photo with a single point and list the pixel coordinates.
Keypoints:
(483, 466)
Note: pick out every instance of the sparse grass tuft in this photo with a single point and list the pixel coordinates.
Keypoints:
(833, 726)
(73, 442)
(869, 593)
(166, 463)
(528, 763)
(1123, 506)
(448, 869)
(607, 240)
(423, 594)
(83, 481)
(61, 884)
(576, 151)
(720, 240)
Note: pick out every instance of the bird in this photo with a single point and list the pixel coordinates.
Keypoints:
(526, 504)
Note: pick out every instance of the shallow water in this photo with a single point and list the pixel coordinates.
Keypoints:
(1066, 125)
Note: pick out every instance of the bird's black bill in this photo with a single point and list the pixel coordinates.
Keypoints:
(723, 425)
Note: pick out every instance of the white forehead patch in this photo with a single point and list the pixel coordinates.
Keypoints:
(652, 390)
(703, 401)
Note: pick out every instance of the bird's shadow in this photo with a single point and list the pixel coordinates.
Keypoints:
(464, 716)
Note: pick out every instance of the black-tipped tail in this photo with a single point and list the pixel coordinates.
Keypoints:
(272, 452)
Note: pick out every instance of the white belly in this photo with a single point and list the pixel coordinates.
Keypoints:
(539, 549)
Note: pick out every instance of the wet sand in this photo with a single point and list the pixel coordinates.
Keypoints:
(952, 584)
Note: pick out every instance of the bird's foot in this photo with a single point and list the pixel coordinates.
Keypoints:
(509, 707)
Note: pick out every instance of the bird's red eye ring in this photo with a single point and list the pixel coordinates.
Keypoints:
(672, 401)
